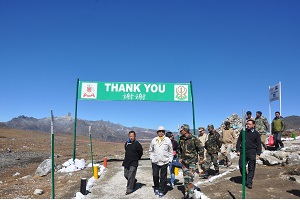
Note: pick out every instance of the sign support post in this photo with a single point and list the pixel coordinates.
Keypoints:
(192, 97)
(75, 121)
(52, 157)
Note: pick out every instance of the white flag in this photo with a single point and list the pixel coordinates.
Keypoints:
(274, 92)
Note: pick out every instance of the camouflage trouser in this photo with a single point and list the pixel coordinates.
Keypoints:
(188, 176)
(211, 157)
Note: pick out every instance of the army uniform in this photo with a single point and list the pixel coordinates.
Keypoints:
(212, 146)
(262, 126)
(190, 148)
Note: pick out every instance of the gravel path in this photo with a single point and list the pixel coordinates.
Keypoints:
(112, 184)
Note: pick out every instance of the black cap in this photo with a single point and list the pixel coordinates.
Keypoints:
(168, 134)
(259, 112)
(248, 113)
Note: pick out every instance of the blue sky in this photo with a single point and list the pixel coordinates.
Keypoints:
(232, 51)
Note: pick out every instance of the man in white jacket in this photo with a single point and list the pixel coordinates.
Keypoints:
(161, 154)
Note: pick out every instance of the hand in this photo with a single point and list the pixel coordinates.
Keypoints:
(257, 157)
(238, 153)
(201, 162)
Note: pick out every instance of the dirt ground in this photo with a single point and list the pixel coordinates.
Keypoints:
(22, 151)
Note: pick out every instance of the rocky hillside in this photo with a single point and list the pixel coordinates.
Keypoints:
(108, 131)
(292, 122)
(103, 130)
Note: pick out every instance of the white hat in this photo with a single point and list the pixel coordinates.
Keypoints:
(161, 128)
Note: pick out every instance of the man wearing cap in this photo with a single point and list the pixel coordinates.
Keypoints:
(161, 154)
(190, 148)
(228, 138)
(203, 138)
(212, 146)
(249, 116)
(262, 126)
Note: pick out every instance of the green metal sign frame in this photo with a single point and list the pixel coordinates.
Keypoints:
(134, 91)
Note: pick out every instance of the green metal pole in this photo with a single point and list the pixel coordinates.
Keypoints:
(192, 97)
(52, 157)
(91, 148)
(75, 121)
(244, 159)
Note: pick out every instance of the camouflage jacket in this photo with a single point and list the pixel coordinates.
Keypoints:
(189, 149)
(213, 143)
(261, 125)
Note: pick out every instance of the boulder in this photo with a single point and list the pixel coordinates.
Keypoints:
(268, 159)
(281, 155)
(294, 159)
(38, 192)
(44, 168)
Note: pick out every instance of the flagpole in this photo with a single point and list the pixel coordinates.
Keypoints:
(280, 98)
(270, 121)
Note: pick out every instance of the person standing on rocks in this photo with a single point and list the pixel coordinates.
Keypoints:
(278, 127)
(190, 148)
(203, 138)
(249, 116)
(212, 146)
(262, 126)
(228, 138)
(161, 155)
(253, 151)
(133, 153)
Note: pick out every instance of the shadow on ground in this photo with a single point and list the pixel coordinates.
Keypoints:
(294, 192)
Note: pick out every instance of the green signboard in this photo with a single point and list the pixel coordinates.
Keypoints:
(134, 91)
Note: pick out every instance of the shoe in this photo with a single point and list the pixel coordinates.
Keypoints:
(229, 164)
(127, 193)
(217, 172)
(204, 175)
(160, 194)
(172, 185)
(187, 196)
(134, 183)
(156, 192)
(249, 186)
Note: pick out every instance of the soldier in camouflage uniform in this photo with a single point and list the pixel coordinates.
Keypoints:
(212, 146)
(189, 149)
(262, 126)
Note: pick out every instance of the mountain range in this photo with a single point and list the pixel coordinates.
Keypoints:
(102, 130)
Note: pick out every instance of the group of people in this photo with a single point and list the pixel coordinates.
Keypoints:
(196, 154)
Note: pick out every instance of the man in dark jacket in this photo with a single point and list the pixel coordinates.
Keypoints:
(133, 153)
(253, 151)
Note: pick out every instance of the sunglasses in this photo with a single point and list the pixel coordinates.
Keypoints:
(161, 131)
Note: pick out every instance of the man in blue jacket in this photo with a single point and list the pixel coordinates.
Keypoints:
(133, 153)
(253, 151)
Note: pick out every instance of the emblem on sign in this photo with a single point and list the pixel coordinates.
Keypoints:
(89, 90)
(181, 92)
